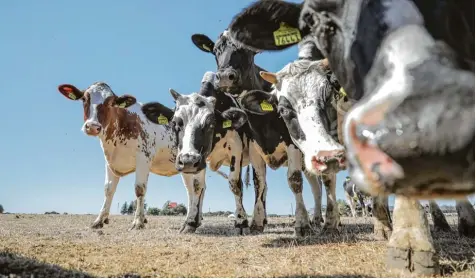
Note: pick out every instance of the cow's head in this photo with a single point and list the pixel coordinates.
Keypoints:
(195, 122)
(99, 103)
(234, 61)
(304, 96)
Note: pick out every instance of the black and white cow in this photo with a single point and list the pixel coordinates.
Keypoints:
(352, 193)
(236, 72)
(400, 137)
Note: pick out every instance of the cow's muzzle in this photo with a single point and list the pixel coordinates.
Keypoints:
(190, 163)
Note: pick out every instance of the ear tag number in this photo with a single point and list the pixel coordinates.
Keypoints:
(72, 96)
(227, 124)
(286, 35)
(162, 120)
(265, 106)
(123, 105)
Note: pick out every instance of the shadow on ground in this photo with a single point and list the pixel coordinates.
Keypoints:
(12, 265)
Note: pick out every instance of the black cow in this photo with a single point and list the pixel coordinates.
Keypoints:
(237, 73)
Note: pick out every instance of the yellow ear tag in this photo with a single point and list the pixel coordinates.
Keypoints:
(265, 106)
(123, 105)
(72, 96)
(162, 120)
(342, 91)
(286, 35)
(206, 47)
(227, 124)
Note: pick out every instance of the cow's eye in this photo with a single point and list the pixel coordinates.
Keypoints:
(285, 112)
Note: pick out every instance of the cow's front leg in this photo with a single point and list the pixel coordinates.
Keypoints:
(381, 218)
(465, 218)
(316, 189)
(302, 225)
(332, 211)
(236, 187)
(411, 246)
(142, 176)
(351, 203)
(195, 185)
(110, 186)
(259, 180)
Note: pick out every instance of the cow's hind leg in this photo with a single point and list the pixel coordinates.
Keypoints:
(351, 203)
(332, 211)
(302, 225)
(316, 189)
(411, 246)
(439, 220)
(110, 186)
(259, 180)
(381, 218)
(465, 218)
(142, 176)
(195, 185)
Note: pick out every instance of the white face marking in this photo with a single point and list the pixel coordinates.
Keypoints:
(308, 94)
(97, 94)
(193, 110)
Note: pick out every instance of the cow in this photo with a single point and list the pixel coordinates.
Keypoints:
(305, 95)
(236, 72)
(131, 143)
(351, 194)
(374, 47)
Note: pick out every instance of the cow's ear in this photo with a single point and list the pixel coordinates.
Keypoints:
(259, 102)
(157, 113)
(234, 117)
(70, 91)
(203, 42)
(268, 25)
(124, 101)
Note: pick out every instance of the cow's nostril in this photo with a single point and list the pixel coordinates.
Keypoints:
(196, 164)
(231, 76)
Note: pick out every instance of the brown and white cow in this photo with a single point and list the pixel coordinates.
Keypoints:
(131, 143)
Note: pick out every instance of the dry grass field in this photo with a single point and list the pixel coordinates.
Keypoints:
(64, 246)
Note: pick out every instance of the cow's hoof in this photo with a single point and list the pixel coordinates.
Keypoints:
(137, 226)
(187, 229)
(97, 225)
(316, 223)
(423, 263)
(382, 234)
(303, 231)
(254, 229)
(465, 229)
(106, 221)
(243, 231)
(328, 231)
(145, 221)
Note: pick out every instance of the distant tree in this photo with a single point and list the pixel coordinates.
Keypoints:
(155, 211)
(131, 208)
(180, 209)
(124, 208)
(1, 209)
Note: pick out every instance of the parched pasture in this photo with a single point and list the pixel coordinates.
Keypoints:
(64, 246)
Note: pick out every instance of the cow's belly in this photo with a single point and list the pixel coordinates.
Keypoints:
(275, 160)
(121, 159)
(164, 162)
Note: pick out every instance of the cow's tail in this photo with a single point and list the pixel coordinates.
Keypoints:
(247, 177)
(222, 174)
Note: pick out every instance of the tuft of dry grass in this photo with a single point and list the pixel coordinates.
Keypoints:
(65, 246)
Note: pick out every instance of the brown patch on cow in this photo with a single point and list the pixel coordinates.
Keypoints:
(140, 190)
(295, 182)
(119, 122)
(86, 105)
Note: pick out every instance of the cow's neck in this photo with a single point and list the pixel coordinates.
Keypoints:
(119, 125)
(253, 81)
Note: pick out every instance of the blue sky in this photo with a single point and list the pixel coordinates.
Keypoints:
(138, 47)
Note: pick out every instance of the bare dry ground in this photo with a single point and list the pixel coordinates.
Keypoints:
(64, 246)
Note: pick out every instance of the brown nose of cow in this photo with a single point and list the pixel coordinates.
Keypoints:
(329, 160)
(93, 129)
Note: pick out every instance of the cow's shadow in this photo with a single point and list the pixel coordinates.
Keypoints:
(19, 266)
